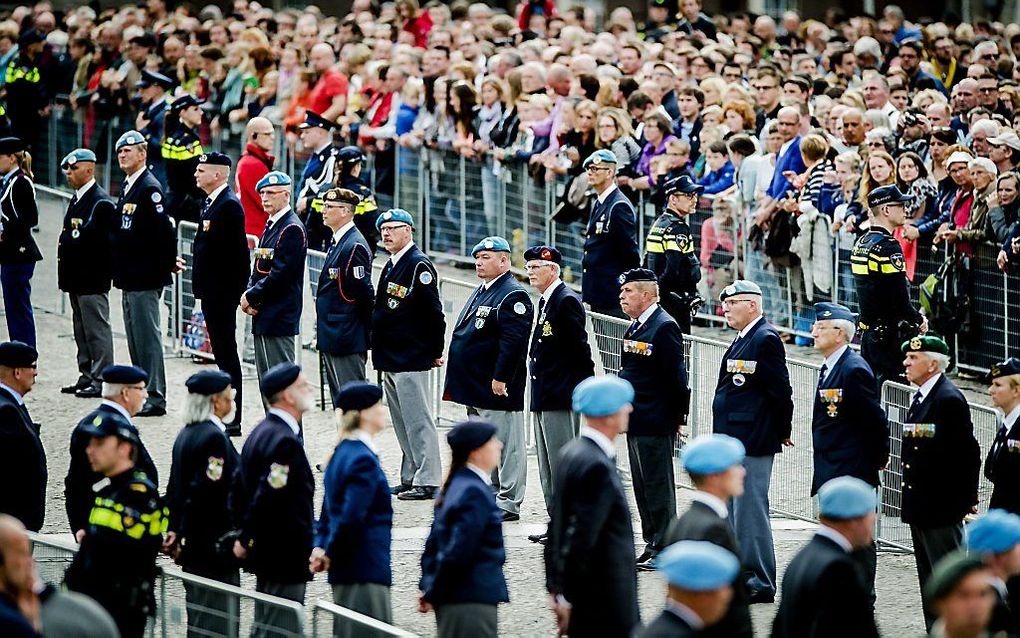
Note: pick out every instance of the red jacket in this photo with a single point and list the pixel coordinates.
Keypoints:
(252, 167)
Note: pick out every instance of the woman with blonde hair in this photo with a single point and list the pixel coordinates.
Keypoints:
(18, 250)
(615, 133)
(1003, 464)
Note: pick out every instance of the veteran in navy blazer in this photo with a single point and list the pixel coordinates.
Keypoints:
(1002, 465)
(220, 269)
(754, 404)
(21, 450)
(610, 239)
(462, 565)
(344, 298)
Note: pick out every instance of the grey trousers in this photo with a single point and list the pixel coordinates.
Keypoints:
(750, 523)
(211, 612)
(930, 545)
(407, 395)
(270, 351)
(145, 340)
(512, 474)
(90, 319)
(272, 621)
(370, 599)
(651, 467)
(341, 368)
(553, 430)
(467, 620)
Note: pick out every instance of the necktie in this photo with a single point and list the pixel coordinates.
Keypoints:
(915, 404)
(821, 374)
(206, 204)
(269, 224)
(541, 305)
(74, 200)
(632, 329)
(1000, 439)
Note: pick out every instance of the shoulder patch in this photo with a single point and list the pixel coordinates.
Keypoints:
(425, 277)
(278, 474)
(896, 259)
(520, 308)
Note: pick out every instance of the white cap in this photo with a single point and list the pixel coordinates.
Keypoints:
(958, 156)
(1006, 138)
(984, 163)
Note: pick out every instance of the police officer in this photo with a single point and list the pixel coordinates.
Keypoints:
(274, 497)
(83, 270)
(21, 453)
(18, 250)
(941, 458)
(25, 87)
(559, 359)
(670, 254)
(152, 91)
(1002, 465)
(754, 404)
(274, 297)
(610, 244)
(181, 149)
(124, 394)
(202, 477)
(653, 362)
(144, 260)
(995, 537)
(714, 463)
(116, 563)
(486, 373)
(316, 135)
(220, 270)
(350, 162)
(408, 337)
(344, 297)
(887, 316)
(824, 593)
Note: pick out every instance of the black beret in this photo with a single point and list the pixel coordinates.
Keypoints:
(470, 435)
(350, 154)
(357, 395)
(215, 159)
(11, 145)
(147, 39)
(543, 253)
(124, 374)
(637, 274)
(15, 354)
(185, 101)
(208, 382)
(1006, 368)
(279, 378)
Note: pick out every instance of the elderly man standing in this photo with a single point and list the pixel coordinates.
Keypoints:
(754, 404)
(487, 373)
(21, 450)
(941, 458)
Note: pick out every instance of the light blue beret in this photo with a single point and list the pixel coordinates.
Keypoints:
(274, 178)
(78, 155)
(846, 497)
(602, 396)
(995, 532)
(601, 156)
(698, 565)
(740, 287)
(712, 453)
(394, 215)
(130, 138)
(495, 244)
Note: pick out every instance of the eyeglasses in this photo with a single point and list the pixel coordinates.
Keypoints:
(765, 87)
(594, 169)
(988, 89)
(531, 267)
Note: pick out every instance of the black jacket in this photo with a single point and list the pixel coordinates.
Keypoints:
(344, 297)
(653, 362)
(560, 355)
(18, 214)
(24, 460)
(181, 150)
(275, 287)
(220, 269)
(144, 242)
(408, 322)
(1002, 468)
(670, 254)
(610, 248)
(83, 248)
(670, 625)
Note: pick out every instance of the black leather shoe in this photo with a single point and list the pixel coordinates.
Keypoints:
(510, 516)
(152, 410)
(419, 493)
(399, 489)
(89, 392)
(541, 539)
(72, 389)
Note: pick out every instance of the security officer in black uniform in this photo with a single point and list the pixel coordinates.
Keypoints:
(124, 393)
(181, 149)
(319, 175)
(887, 316)
(220, 270)
(350, 162)
(152, 89)
(653, 362)
(670, 252)
(21, 451)
(19, 253)
(198, 494)
(1002, 465)
(25, 88)
(116, 564)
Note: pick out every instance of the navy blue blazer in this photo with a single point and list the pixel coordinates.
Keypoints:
(753, 398)
(275, 287)
(84, 254)
(24, 459)
(653, 362)
(344, 297)
(560, 355)
(490, 342)
(220, 268)
(20, 215)
(13, 623)
(464, 555)
(849, 428)
(610, 248)
(408, 322)
(144, 241)
(1002, 468)
(356, 517)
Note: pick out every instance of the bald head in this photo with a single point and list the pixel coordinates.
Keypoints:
(261, 133)
(322, 57)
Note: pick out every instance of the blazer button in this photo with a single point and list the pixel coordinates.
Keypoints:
(906, 466)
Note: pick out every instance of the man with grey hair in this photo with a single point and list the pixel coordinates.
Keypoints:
(940, 456)
(876, 96)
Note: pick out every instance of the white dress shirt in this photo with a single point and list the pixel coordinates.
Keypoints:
(600, 439)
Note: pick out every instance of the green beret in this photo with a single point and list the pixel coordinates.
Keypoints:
(925, 343)
(948, 573)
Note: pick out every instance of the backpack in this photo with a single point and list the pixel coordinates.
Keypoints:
(945, 296)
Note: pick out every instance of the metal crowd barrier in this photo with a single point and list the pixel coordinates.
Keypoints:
(329, 619)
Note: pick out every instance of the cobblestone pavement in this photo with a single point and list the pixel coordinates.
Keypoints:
(898, 606)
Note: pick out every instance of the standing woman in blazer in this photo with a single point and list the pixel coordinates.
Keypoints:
(352, 539)
(18, 251)
(462, 566)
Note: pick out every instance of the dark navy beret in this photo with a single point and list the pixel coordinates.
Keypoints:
(124, 374)
(11, 145)
(215, 159)
(350, 154)
(208, 382)
(30, 37)
(279, 378)
(826, 311)
(357, 395)
(15, 354)
(470, 435)
(151, 78)
(543, 253)
(1006, 368)
(637, 274)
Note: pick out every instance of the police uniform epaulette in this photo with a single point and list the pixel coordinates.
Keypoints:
(140, 482)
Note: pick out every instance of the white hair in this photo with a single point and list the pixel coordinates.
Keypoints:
(112, 390)
(987, 126)
(848, 327)
(197, 407)
(941, 360)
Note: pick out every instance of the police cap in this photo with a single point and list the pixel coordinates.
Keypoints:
(105, 425)
(15, 354)
(78, 155)
(151, 78)
(846, 497)
(948, 573)
(712, 453)
(357, 395)
(341, 196)
(279, 378)
(314, 120)
(1006, 368)
(273, 178)
(30, 37)
(740, 287)
(602, 396)
(208, 382)
(394, 215)
(887, 195)
(682, 184)
(470, 435)
(215, 159)
(925, 343)
(827, 311)
(350, 155)
(697, 565)
(124, 374)
(996, 532)
(11, 145)
(636, 274)
(543, 253)
(147, 40)
(185, 101)
(130, 138)
(492, 244)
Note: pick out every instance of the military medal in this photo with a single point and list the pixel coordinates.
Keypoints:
(831, 398)
(546, 329)
(392, 304)
(75, 223)
(739, 367)
(739, 379)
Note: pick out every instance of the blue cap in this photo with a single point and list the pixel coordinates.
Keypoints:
(712, 453)
(887, 195)
(124, 374)
(995, 532)
(601, 156)
(740, 287)
(602, 396)
(697, 565)
(1006, 368)
(273, 178)
(214, 159)
(394, 215)
(184, 102)
(208, 382)
(16, 354)
(828, 311)
(543, 253)
(470, 435)
(494, 244)
(151, 78)
(357, 395)
(279, 378)
(682, 184)
(846, 497)
(636, 274)
(314, 120)
(11, 145)
(131, 138)
(78, 155)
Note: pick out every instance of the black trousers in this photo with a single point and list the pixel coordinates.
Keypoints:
(930, 545)
(651, 468)
(221, 324)
(884, 356)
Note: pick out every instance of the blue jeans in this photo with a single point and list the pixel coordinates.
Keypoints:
(16, 280)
